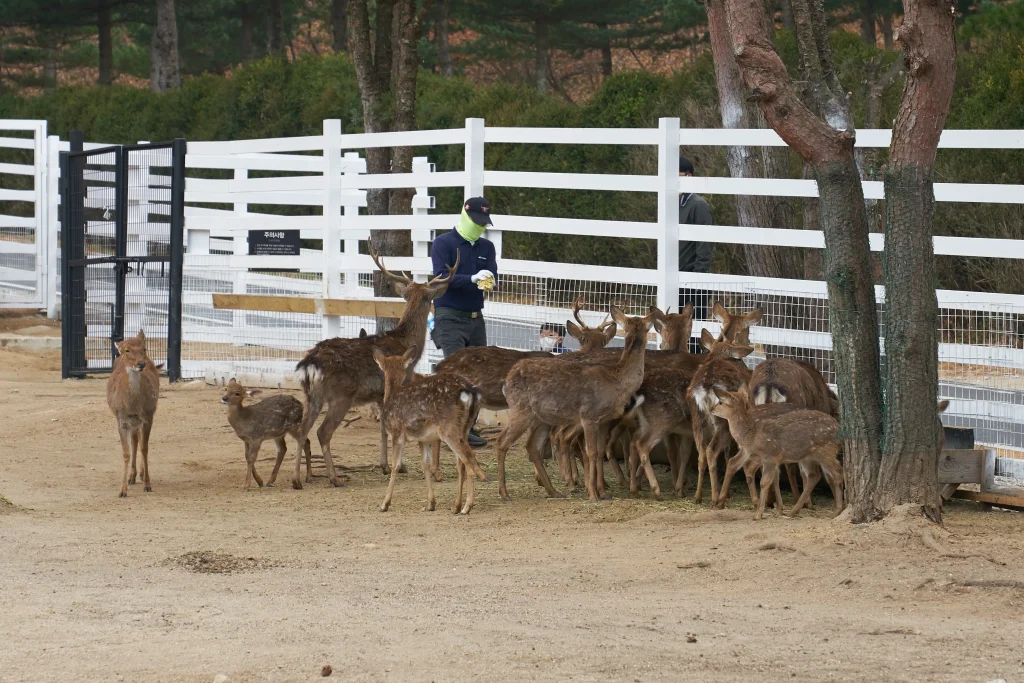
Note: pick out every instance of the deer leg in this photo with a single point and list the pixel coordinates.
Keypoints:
(126, 456)
(336, 412)
(435, 460)
(768, 472)
(461, 469)
(252, 463)
(735, 463)
(634, 466)
(397, 445)
(719, 443)
(593, 451)
(834, 477)
(147, 486)
(794, 481)
(467, 463)
(533, 448)
(749, 471)
(309, 415)
(601, 435)
(685, 450)
(134, 439)
(428, 474)
(780, 509)
(248, 466)
(644, 449)
(309, 461)
(613, 440)
(282, 448)
(811, 479)
(517, 425)
(700, 438)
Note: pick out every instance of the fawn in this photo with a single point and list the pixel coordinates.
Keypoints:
(427, 409)
(271, 418)
(132, 392)
(807, 437)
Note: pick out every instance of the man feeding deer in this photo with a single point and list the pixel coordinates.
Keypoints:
(458, 313)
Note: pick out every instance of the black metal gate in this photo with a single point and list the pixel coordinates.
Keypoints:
(122, 227)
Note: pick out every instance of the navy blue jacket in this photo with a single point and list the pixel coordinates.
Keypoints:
(462, 294)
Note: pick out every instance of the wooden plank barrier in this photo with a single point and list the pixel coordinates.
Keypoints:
(368, 308)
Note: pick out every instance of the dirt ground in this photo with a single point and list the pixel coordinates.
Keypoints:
(199, 581)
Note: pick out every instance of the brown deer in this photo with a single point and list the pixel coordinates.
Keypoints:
(735, 326)
(782, 380)
(426, 409)
(750, 463)
(546, 392)
(721, 369)
(663, 414)
(342, 373)
(132, 393)
(807, 437)
(271, 418)
(486, 367)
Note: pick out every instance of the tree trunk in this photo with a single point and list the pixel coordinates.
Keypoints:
(606, 53)
(444, 52)
(788, 22)
(827, 145)
(867, 22)
(868, 158)
(909, 471)
(886, 22)
(814, 263)
(164, 69)
(383, 43)
(248, 45)
(106, 45)
(543, 56)
(275, 28)
(752, 211)
(339, 26)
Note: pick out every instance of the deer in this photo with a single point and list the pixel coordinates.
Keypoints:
(271, 418)
(133, 390)
(486, 367)
(342, 373)
(723, 369)
(537, 398)
(427, 409)
(782, 380)
(735, 326)
(809, 438)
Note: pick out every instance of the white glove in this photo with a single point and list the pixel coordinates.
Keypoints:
(482, 275)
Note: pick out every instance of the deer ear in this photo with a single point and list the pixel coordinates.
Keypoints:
(659, 324)
(739, 352)
(618, 315)
(753, 318)
(401, 289)
(943, 405)
(687, 310)
(141, 336)
(718, 310)
(610, 328)
(575, 331)
(655, 312)
(378, 355)
(723, 396)
(409, 357)
(253, 393)
(707, 340)
(362, 333)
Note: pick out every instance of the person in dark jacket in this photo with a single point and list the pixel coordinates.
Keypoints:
(458, 313)
(694, 257)
(552, 336)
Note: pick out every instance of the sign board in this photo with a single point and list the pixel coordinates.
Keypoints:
(273, 243)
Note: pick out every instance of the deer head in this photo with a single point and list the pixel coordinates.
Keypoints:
(133, 352)
(730, 403)
(674, 328)
(412, 291)
(590, 338)
(735, 326)
(395, 367)
(235, 393)
(723, 348)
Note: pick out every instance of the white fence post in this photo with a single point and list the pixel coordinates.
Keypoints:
(52, 223)
(352, 165)
(422, 202)
(668, 213)
(239, 247)
(332, 222)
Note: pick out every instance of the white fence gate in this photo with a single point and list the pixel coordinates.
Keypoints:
(256, 181)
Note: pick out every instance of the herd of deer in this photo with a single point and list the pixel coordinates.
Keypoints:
(577, 406)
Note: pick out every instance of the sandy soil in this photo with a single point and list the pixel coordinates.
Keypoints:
(199, 580)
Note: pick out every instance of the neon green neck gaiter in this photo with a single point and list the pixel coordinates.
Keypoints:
(469, 230)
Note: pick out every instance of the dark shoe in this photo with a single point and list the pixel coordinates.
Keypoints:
(475, 440)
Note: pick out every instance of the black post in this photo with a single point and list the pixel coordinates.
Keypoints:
(120, 241)
(73, 248)
(177, 252)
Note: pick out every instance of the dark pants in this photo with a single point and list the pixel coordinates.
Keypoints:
(700, 300)
(456, 330)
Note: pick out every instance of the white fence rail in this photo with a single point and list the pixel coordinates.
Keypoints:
(982, 350)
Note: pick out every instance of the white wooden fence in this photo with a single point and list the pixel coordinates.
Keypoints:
(982, 366)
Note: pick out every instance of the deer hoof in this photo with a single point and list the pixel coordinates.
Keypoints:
(402, 470)
(464, 511)
(131, 480)
(269, 486)
(384, 507)
(431, 506)
(385, 469)
(123, 495)
(148, 489)
(296, 484)
(556, 494)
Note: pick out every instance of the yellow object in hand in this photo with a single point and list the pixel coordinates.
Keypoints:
(485, 283)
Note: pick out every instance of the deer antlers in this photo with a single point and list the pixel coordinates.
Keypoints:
(408, 281)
